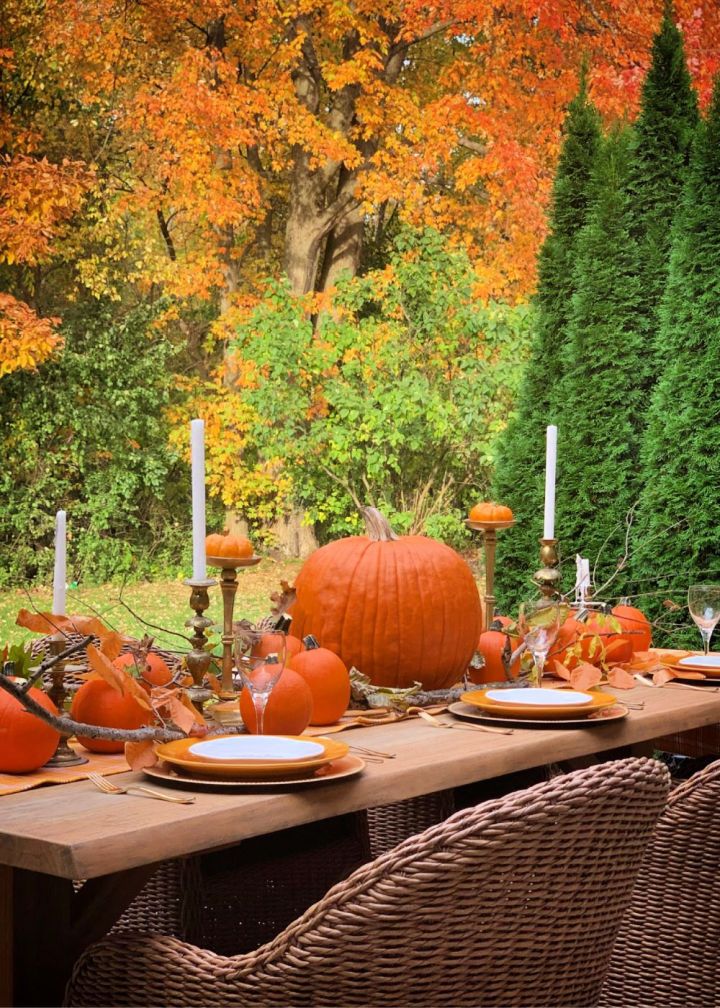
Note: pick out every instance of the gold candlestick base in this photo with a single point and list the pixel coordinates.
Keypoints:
(228, 586)
(63, 756)
(548, 577)
(198, 660)
(489, 531)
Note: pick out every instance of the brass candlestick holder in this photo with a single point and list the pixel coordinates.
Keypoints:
(229, 567)
(489, 530)
(548, 577)
(198, 660)
(63, 756)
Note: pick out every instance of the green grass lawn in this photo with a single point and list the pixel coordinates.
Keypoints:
(164, 604)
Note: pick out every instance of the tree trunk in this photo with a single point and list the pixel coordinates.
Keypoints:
(343, 248)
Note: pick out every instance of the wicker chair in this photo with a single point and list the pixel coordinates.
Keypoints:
(514, 902)
(666, 952)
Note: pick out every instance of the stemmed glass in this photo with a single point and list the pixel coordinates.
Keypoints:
(260, 657)
(704, 606)
(540, 621)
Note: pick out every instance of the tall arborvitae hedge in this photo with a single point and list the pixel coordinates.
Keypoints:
(598, 415)
(610, 365)
(678, 540)
(520, 457)
(664, 133)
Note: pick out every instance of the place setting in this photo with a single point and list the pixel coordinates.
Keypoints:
(701, 668)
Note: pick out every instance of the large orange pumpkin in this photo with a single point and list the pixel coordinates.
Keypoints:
(635, 625)
(26, 742)
(398, 609)
(99, 703)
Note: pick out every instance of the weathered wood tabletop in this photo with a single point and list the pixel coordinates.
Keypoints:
(54, 834)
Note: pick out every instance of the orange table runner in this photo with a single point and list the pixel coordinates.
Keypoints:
(100, 763)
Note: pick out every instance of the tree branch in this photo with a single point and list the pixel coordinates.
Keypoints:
(66, 725)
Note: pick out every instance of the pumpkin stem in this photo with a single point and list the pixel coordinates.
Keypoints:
(377, 526)
(310, 642)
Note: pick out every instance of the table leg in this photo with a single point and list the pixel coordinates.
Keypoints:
(49, 925)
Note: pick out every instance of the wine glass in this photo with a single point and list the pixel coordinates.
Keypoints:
(704, 606)
(260, 656)
(540, 621)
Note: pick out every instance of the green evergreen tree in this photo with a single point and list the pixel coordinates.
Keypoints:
(610, 364)
(679, 515)
(664, 134)
(601, 406)
(520, 455)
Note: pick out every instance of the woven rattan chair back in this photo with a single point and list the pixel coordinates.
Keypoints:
(513, 902)
(667, 947)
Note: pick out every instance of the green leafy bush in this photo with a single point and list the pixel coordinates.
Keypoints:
(394, 396)
(87, 434)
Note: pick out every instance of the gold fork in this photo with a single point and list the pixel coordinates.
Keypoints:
(103, 784)
(431, 719)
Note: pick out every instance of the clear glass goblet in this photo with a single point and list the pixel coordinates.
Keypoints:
(260, 657)
(704, 606)
(540, 621)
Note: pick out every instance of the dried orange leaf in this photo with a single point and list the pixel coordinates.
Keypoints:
(105, 669)
(214, 682)
(140, 754)
(185, 699)
(663, 675)
(585, 676)
(37, 622)
(111, 644)
(561, 670)
(620, 678)
(178, 712)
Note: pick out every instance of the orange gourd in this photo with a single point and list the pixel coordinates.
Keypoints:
(99, 703)
(635, 625)
(328, 679)
(288, 710)
(26, 742)
(231, 546)
(488, 511)
(399, 609)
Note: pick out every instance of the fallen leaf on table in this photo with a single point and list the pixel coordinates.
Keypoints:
(585, 676)
(140, 754)
(620, 678)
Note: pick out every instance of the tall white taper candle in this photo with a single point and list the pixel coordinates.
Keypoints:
(60, 573)
(197, 454)
(550, 462)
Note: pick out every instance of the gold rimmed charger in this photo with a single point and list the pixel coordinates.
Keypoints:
(604, 715)
(180, 754)
(337, 770)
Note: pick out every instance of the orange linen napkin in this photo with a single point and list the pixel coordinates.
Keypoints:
(100, 763)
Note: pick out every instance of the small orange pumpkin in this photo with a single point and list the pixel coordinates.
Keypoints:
(26, 742)
(328, 679)
(288, 710)
(635, 626)
(488, 511)
(226, 545)
(99, 703)
(270, 642)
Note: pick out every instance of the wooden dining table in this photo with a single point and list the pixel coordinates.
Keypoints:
(51, 836)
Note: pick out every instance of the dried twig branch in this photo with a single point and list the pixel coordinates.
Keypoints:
(66, 725)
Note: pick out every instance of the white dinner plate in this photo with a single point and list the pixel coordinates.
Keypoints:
(701, 663)
(256, 747)
(536, 696)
